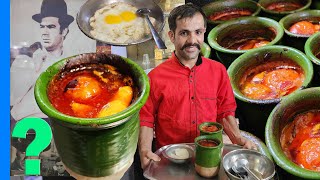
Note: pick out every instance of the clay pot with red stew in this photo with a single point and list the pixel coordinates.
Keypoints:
(312, 50)
(208, 155)
(292, 134)
(260, 78)
(87, 144)
(276, 9)
(233, 38)
(213, 129)
(298, 27)
(220, 11)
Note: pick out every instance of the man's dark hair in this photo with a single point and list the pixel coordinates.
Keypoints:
(63, 25)
(184, 11)
(58, 159)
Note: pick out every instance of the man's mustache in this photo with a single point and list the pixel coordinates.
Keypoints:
(188, 45)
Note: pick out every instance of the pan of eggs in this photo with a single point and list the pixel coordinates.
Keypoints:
(116, 22)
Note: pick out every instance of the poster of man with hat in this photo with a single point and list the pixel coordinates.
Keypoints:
(42, 33)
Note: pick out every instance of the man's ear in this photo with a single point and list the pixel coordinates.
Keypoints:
(171, 36)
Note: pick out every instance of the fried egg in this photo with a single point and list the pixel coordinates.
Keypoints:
(118, 23)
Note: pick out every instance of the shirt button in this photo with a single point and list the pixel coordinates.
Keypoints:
(192, 97)
(193, 122)
(191, 81)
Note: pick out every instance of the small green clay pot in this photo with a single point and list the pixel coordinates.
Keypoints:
(225, 6)
(283, 113)
(205, 50)
(241, 29)
(95, 147)
(207, 160)
(256, 112)
(297, 40)
(278, 15)
(216, 134)
(312, 49)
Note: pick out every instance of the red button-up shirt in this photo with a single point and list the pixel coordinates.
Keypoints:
(182, 98)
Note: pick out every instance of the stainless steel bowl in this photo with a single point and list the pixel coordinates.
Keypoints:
(260, 164)
(170, 150)
(88, 9)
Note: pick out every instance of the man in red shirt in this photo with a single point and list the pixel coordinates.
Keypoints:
(186, 90)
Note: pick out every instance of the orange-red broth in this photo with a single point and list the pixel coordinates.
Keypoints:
(300, 140)
(85, 92)
(271, 79)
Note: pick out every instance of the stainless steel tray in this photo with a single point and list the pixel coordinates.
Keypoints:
(167, 170)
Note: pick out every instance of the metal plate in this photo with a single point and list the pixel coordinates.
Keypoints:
(88, 9)
(168, 170)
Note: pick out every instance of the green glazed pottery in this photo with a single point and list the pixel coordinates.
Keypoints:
(218, 7)
(207, 160)
(256, 112)
(297, 40)
(95, 147)
(276, 15)
(216, 134)
(283, 113)
(312, 50)
(245, 28)
(205, 50)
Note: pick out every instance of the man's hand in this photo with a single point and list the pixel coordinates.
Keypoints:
(230, 126)
(144, 145)
(246, 143)
(146, 156)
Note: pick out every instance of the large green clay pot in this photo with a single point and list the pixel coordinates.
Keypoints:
(238, 30)
(256, 112)
(278, 15)
(95, 147)
(225, 6)
(296, 40)
(283, 113)
(312, 49)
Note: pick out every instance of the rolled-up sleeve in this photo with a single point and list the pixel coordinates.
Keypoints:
(226, 101)
(147, 112)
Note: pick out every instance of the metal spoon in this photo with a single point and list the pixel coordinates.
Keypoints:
(240, 167)
(145, 12)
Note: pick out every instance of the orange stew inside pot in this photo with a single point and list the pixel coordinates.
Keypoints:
(300, 140)
(271, 79)
(96, 91)
(208, 143)
(283, 6)
(209, 128)
(305, 28)
(229, 14)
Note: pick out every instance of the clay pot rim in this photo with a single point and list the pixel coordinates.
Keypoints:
(103, 122)
(218, 125)
(273, 143)
(308, 50)
(292, 17)
(214, 33)
(306, 6)
(252, 53)
(235, 2)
